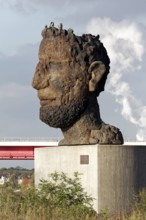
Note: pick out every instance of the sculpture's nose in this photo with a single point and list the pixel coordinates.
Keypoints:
(40, 80)
(36, 78)
(35, 82)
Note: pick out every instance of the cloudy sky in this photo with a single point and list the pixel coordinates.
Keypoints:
(122, 28)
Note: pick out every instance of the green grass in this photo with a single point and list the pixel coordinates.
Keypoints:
(60, 198)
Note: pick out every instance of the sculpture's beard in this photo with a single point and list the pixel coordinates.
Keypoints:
(63, 116)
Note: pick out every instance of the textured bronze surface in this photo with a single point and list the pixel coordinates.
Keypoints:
(71, 73)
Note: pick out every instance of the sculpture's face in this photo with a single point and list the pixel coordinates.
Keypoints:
(62, 85)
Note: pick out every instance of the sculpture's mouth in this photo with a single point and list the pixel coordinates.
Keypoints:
(45, 102)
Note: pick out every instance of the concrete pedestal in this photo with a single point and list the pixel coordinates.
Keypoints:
(112, 174)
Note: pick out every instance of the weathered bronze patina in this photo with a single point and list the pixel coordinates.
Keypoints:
(70, 75)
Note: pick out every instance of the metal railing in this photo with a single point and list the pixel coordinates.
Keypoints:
(46, 139)
(30, 139)
(134, 140)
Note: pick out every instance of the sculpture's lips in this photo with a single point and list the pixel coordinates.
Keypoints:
(44, 102)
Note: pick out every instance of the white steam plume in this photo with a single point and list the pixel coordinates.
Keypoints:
(124, 43)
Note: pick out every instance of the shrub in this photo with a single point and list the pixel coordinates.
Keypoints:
(59, 198)
(66, 194)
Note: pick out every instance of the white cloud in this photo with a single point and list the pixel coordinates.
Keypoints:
(124, 42)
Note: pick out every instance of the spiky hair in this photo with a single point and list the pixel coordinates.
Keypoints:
(85, 49)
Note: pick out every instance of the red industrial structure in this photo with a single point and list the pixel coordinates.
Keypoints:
(22, 149)
(17, 153)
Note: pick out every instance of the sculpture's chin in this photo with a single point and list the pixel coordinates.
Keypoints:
(63, 116)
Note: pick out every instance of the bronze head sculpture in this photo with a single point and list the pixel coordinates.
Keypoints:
(70, 75)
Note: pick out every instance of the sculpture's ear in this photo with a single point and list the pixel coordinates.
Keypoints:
(96, 70)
